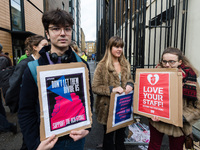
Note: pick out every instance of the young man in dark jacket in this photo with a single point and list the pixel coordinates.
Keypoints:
(58, 27)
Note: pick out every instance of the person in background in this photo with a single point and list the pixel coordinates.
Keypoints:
(112, 74)
(75, 48)
(6, 70)
(58, 28)
(93, 56)
(33, 44)
(5, 61)
(173, 58)
(5, 126)
(27, 53)
(84, 56)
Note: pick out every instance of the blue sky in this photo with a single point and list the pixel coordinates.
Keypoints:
(88, 19)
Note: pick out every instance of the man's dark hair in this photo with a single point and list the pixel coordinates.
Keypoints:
(57, 17)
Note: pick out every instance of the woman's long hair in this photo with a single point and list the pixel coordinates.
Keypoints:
(180, 55)
(33, 41)
(118, 42)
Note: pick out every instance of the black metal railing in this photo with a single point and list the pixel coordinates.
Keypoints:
(146, 28)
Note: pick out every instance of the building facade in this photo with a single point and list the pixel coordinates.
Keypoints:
(75, 11)
(54, 4)
(19, 19)
(82, 40)
(90, 48)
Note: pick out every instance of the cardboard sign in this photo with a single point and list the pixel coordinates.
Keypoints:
(64, 99)
(120, 111)
(158, 92)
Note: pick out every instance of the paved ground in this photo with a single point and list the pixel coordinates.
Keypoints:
(8, 141)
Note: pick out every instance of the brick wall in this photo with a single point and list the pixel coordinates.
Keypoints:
(5, 40)
(33, 17)
(33, 22)
(5, 37)
(5, 14)
(38, 3)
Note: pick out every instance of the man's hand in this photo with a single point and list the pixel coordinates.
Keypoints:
(48, 143)
(128, 89)
(77, 135)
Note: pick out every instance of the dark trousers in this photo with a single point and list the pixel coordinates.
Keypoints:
(69, 144)
(110, 138)
(4, 124)
(175, 143)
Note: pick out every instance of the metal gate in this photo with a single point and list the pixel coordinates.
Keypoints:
(146, 26)
(165, 26)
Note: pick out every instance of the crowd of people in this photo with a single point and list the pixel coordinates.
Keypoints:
(112, 74)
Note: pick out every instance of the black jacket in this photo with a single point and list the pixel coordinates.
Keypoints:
(4, 61)
(29, 110)
(12, 94)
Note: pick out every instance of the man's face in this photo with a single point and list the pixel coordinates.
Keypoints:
(60, 36)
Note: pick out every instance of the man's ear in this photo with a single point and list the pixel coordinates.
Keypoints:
(47, 33)
(35, 47)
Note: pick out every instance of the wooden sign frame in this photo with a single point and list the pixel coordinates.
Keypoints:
(64, 98)
(175, 94)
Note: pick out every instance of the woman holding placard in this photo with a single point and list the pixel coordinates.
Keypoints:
(111, 75)
(173, 58)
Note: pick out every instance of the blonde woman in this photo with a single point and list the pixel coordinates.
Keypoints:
(111, 75)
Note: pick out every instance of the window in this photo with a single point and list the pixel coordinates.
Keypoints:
(16, 15)
(162, 17)
(70, 3)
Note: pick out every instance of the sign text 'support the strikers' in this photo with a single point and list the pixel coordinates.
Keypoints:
(67, 121)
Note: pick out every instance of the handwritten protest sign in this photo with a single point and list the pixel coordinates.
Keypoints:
(158, 92)
(120, 111)
(64, 98)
